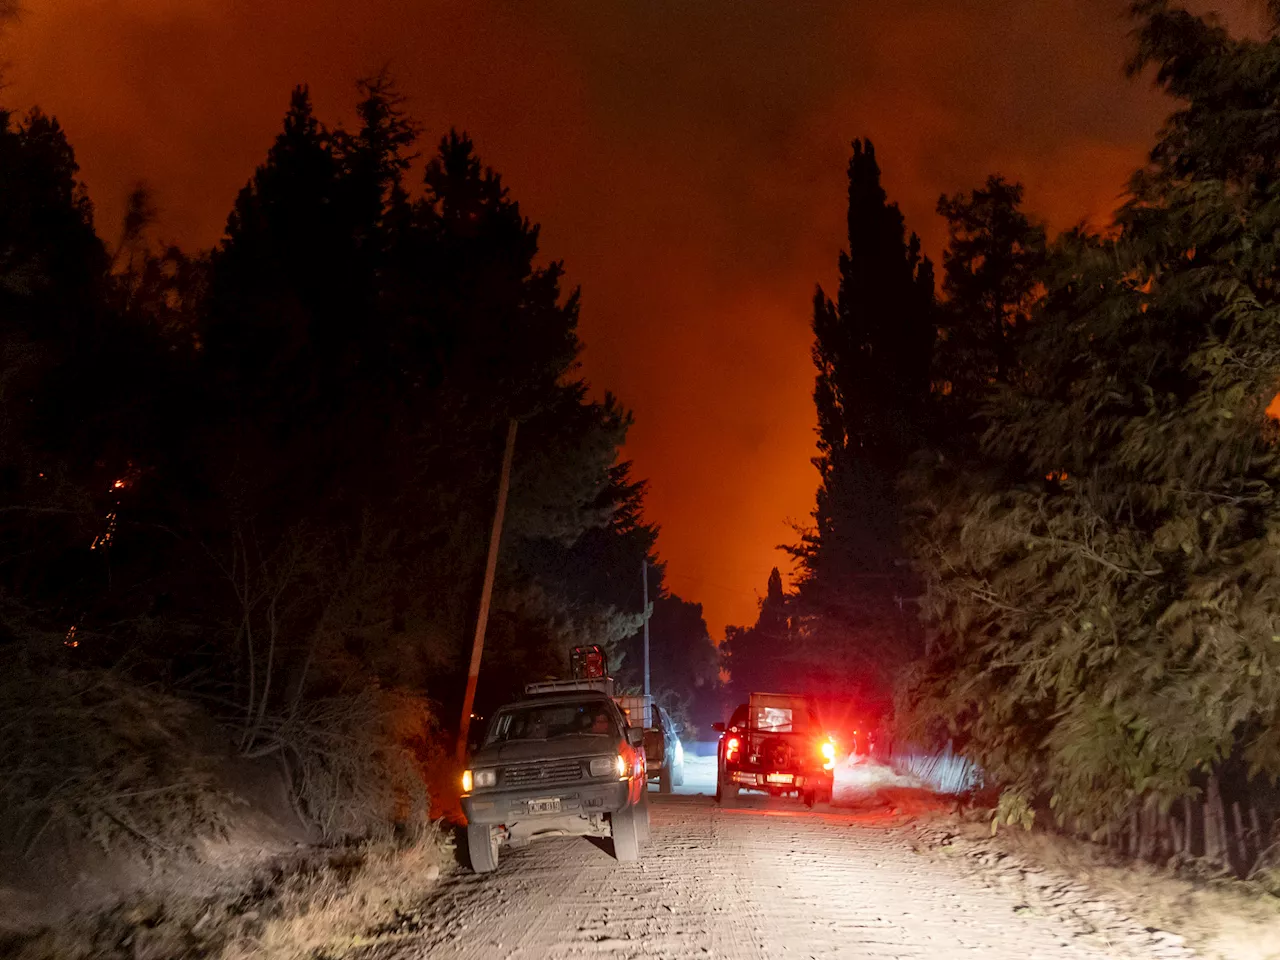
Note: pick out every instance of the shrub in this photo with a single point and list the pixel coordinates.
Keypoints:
(91, 753)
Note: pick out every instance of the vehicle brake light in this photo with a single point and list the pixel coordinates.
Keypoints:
(731, 748)
(829, 754)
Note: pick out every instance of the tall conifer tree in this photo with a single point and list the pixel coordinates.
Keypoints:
(872, 349)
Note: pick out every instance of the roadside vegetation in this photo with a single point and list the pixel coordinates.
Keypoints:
(244, 499)
(1099, 555)
(1066, 465)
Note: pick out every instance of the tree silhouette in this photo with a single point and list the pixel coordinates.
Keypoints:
(296, 437)
(872, 349)
(993, 268)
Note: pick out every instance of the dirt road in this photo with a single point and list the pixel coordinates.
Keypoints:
(766, 880)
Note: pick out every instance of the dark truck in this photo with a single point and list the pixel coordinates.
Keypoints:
(775, 743)
(556, 764)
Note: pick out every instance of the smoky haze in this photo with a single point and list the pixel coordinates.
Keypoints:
(686, 160)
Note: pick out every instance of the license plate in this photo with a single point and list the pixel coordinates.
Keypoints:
(780, 778)
(549, 805)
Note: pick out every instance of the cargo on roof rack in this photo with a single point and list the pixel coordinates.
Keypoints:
(588, 662)
(602, 684)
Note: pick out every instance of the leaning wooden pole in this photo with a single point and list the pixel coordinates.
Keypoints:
(486, 593)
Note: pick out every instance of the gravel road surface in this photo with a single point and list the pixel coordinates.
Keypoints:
(768, 879)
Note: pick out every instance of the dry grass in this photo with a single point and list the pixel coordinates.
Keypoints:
(131, 827)
(1220, 917)
(318, 905)
(347, 905)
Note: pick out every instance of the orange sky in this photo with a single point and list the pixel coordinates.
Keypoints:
(685, 157)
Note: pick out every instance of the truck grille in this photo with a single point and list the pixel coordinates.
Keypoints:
(542, 773)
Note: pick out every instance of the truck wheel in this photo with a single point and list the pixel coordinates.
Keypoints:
(482, 847)
(810, 797)
(664, 779)
(677, 775)
(726, 793)
(642, 821)
(626, 834)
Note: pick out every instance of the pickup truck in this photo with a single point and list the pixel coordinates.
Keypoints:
(552, 765)
(775, 743)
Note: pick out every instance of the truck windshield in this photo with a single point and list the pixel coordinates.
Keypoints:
(549, 721)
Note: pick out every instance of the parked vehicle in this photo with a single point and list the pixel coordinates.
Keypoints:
(556, 764)
(662, 747)
(775, 743)
(664, 753)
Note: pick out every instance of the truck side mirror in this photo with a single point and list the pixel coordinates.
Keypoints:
(718, 727)
(635, 736)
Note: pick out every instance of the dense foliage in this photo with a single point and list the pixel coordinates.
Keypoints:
(1102, 564)
(264, 475)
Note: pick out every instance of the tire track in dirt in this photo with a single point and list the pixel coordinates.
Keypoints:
(765, 880)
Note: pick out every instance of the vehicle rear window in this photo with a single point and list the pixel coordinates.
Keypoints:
(549, 721)
(773, 719)
(781, 717)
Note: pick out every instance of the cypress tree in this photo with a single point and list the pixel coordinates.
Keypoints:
(872, 349)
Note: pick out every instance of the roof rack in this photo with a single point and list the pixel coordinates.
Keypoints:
(600, 684)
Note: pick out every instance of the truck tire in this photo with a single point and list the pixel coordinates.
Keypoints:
(664, 779)
(726, 793)
(626, 834)
(677, 774)
(482, 847)
(810, 797)
(642, 819)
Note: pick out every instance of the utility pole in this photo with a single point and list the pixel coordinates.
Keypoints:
(644, 579)
(486, 592)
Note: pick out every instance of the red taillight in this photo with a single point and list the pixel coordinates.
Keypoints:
(828, 750)
(731, 748)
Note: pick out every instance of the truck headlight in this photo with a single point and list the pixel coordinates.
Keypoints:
(603, 766)
(486, 778)
(621, 765)
(466, 781)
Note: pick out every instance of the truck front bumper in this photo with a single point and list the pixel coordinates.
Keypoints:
(514, 806)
